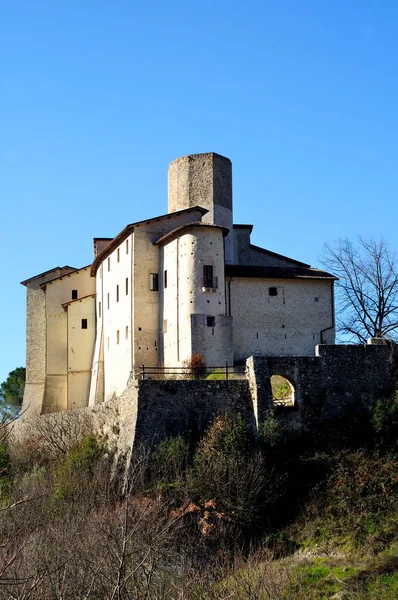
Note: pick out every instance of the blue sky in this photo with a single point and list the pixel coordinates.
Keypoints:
(96, 98)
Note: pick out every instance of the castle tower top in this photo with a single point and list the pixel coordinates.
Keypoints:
(201, 180)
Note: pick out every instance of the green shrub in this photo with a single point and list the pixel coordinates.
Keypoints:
(75, 474)
(231, 473)
(269, 432)
(169, 461)
(357, 503)
(385, 422)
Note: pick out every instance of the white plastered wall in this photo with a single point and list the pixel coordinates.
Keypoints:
(289, 323)
(184, 258)
(116, 318)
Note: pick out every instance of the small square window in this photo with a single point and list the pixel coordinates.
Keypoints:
(74, 294)
(154, 282)
(211, 321)
(84, 323)
(273, 291)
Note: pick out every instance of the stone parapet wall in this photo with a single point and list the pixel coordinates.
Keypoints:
(338, 381)
(168, 408)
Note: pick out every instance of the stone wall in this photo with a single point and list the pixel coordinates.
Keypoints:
(146, 413)
(288, 323)
(204, 180)
(338, 382)
(167, 408)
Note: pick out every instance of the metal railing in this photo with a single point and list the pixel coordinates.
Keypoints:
(225, 373)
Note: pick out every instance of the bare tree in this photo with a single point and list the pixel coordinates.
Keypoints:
(367, 289)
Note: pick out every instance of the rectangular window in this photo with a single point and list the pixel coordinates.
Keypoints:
(118, 255)
(117, 336)
(74, 294)
(117, 293)
(273, 291)
(84, 323)
(99, 310)
(127, 246)
(154, 282)
(127, 332)
(165, 279)
(107, 299)
(127, 286)
(208, 279)
(109, 263)
(211, 321)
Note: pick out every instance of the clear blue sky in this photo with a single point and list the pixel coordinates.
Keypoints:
(96, 98)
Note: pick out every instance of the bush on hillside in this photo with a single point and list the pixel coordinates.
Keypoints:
(169, 462)
(231, 473)
(385, 422)
(74, 475)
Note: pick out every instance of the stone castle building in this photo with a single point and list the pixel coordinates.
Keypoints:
(165, 288)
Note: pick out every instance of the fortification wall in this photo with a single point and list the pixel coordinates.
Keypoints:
(167, 408)
(338, 382)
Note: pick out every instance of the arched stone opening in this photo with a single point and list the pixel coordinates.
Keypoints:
(282, 391)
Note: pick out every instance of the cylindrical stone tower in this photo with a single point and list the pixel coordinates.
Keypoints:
(204, 180)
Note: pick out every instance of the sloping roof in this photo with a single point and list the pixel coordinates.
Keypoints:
(67, 269)
(174, 233)
(270, 253)
(66, 304)
(129, 228)
(276, 272)
(64, 275)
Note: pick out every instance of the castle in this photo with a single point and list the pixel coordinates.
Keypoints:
(165, 288)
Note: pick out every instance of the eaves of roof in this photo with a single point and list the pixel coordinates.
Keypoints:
(43, 285)
(66, 304)
(175, 232)
(276, 272)
(129, 228)
(26, 281)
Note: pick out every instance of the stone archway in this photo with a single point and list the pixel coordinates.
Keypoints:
(283, 391)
